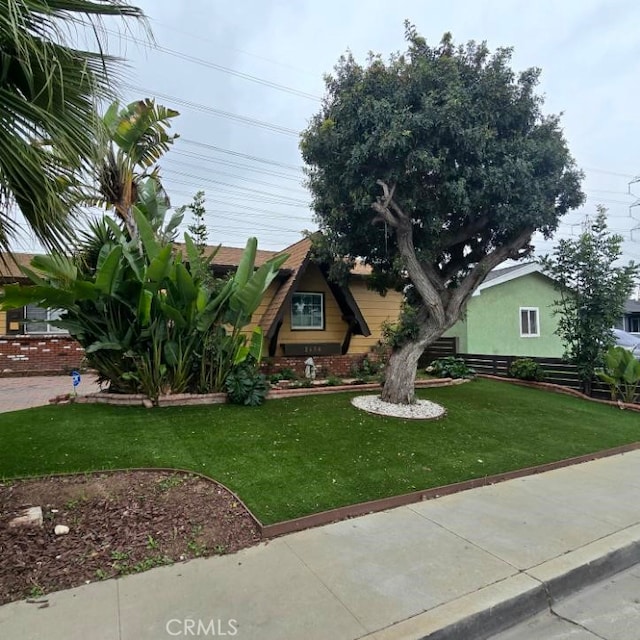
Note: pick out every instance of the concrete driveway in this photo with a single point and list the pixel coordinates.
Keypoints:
(23, 393)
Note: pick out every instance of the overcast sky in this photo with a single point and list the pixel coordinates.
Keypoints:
(589, 52)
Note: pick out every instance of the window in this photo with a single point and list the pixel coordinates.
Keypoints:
(633, 324)
(529, 323)
(37, 320)
(307, 311)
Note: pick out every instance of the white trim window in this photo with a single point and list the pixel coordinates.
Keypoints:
(38, 319)
(307, 310)
(529, 322)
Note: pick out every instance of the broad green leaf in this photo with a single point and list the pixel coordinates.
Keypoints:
(257, 344)
(160, 266)
(144, 307)
(187, 288)
(171, 353)
(193, 255)
(15, 295)
(109, 276)
(247, 262)
(99, 346)
(56, 265)
(173, 314)
(147, 234)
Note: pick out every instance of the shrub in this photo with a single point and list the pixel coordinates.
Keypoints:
(450, 367)
(288, 374)
(334, 381)
(369, 368)
(304, 383)
(526, 369)
(622, 373)
(246, 385)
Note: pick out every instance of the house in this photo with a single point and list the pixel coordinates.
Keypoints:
(511, 313)
(630, 321)
(303, 314)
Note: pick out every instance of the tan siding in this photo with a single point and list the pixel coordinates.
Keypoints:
(3, 323)
(335, 327)
(376, 310)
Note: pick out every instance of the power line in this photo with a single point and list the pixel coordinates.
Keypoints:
(256, 196)
(205, 145)
(246, 53)
(232, 175)
(610, 173)
(218, 67)
(275, 128)
(235, 165)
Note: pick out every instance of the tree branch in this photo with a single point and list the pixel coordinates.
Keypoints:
(465, 233)
(384, 204)
(480, 271)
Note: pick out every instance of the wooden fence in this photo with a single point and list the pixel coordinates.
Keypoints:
(555, 370)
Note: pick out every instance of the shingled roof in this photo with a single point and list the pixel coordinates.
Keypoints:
(10, 266)
(298, 258)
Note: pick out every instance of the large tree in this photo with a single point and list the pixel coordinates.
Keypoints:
(593, 286)
(434, 168)
(49, 89)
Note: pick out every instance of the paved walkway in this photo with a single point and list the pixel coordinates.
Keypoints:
(23, 393)
(461, 567)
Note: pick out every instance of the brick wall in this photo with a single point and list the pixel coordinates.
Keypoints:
(336, 365)
(38, 355)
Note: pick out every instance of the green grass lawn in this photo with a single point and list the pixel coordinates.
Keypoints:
(298, 456)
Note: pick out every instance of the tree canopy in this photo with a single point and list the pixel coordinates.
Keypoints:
(49, 89)
(435, 167)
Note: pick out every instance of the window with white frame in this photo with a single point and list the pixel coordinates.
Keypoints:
(38, 320)
(529, 322)
(307, 310)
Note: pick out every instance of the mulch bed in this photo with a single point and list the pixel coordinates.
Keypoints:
(120, 523)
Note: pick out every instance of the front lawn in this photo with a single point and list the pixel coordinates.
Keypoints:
(297, 456)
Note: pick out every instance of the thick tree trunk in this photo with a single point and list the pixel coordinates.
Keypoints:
(400, 374)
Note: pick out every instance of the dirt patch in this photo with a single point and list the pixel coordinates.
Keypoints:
(120, 523)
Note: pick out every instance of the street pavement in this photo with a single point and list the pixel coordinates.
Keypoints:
(608, 610)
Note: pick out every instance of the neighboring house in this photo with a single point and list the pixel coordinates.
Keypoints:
(302, 314)
(630, 321)
(511, 313)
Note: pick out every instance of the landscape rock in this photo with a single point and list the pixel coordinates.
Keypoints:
(61, 529)
(31, 517)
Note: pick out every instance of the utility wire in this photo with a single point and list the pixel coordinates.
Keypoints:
(235, 165)
(205, 145)
(275, 128)
(218, 67)
(170, 161)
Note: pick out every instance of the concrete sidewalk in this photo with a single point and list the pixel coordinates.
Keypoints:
(36, 391)
(460, 567)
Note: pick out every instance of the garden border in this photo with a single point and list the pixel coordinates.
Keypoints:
(550, 386)
(269, 531)
(187, 399)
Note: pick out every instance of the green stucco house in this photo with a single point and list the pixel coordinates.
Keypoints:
(511, 313)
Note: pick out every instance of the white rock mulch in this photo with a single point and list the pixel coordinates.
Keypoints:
(419, 410)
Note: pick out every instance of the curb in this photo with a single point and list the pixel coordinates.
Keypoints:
(495, 608)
